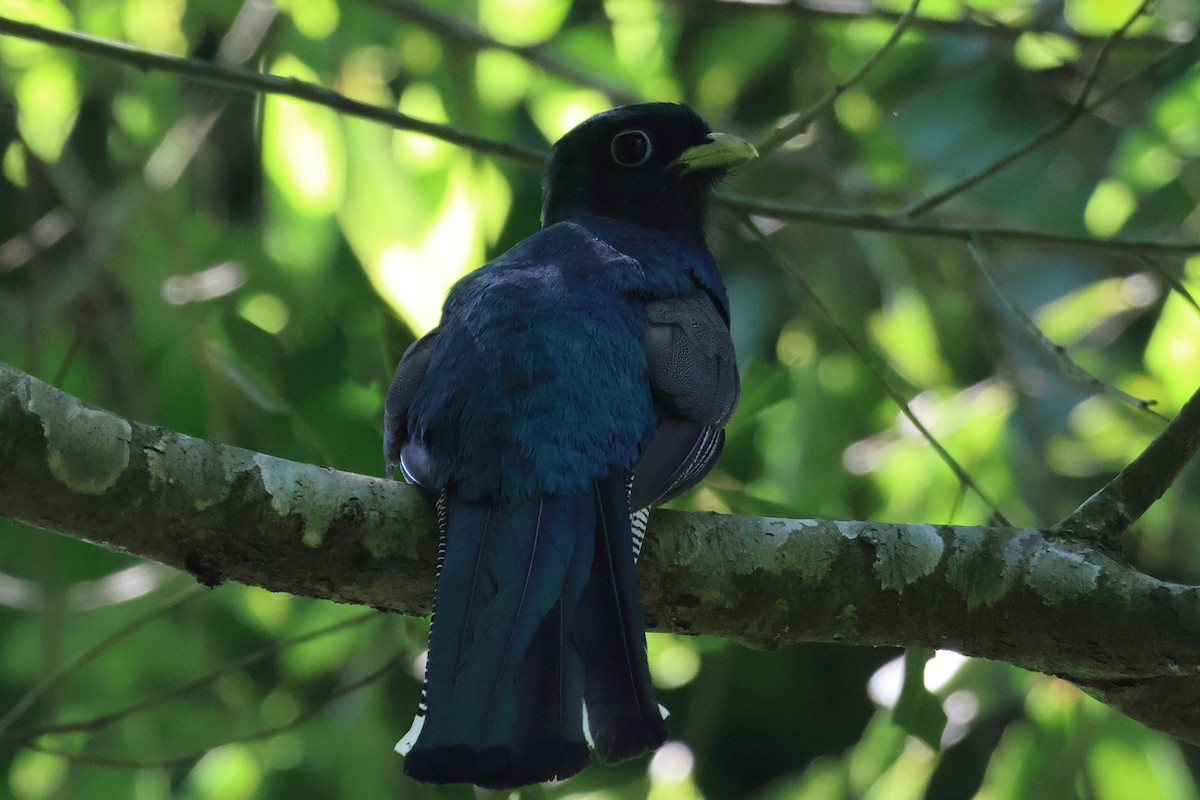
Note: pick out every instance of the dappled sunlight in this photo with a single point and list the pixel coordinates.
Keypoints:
(502, 79)
(886, 682)
(522, 22)
(414, 152)
(1101, 436)
(303, 151)
(884, 686)
(414, 279)
(264, 310)
(208, 284)
(968, 422)
(907, 776)
(417, 213)
(14, 166)
(639, 31)
(674, 661)
(1038, 51)
(1111, 205)
(1073, 316)
(35, 776)
(119, 587)
(670, 773)
(230, 772)
(314, 19)
(177, 149)
(1173, 353)
(269, 611)
(557, 110)
(23, 54)
(155, 24)
(48, 97)
(1099, 17)
(183, 244)
(904, 330)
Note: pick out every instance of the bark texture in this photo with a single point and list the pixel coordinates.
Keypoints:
(1050, 600)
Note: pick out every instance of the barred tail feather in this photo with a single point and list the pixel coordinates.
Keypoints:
(538, 650)
(502, 701)
(622, 712)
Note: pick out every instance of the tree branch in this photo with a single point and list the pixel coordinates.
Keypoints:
(1028, 597)
(1055, 350)
(244, 80)
(797, 275)
(963, 233)
(449, 26)
(1107, 513)
(802, 120)
(1082, 105)
(230, 77)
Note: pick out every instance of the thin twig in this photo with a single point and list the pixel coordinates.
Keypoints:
(964, 478)
(803, 120)
(1079, 108)
(1110, 511)
(977, 24)
(1117, 36)
(1169, 279)
(449, 26)
(244, 80)
(86, 654)
(247, 81)
(1070, 366)
(104, 720)
(891, 224)
(258, 735)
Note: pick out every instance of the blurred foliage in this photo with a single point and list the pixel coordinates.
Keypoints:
(248, 270)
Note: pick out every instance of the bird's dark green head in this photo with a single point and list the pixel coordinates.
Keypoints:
(653, 164)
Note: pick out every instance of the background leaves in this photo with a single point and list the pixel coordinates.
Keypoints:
(248, 269)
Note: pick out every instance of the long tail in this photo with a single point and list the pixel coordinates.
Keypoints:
(623, 715)
(536, 610)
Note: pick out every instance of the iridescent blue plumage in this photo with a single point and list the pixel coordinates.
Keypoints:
(590, 361)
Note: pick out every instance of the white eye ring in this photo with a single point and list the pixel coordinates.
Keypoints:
(631, 148)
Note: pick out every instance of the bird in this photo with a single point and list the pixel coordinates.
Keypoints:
(573, 382)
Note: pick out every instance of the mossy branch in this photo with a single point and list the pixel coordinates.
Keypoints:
(1037, 599)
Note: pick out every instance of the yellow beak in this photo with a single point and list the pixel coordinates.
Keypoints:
(723, 150)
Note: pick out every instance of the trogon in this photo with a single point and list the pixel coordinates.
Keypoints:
(573, 382)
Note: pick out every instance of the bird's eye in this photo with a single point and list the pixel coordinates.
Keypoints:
(630, 148)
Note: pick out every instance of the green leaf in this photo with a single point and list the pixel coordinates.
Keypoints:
(918, 711)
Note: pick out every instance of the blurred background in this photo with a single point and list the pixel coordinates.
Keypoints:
(248, 270)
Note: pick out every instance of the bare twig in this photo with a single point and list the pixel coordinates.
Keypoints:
(245, 80)
(1107, 513)
(1171, 281)
(449, 26)
(1118, 35)
(104, 720)
(255, 736)
(803, 120)
(86, 654)
(891, 224)
(976, 24)
(1081, 106)
(1070, 366)
(964, 478)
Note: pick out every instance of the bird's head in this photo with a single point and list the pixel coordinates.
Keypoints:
(653, 164)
